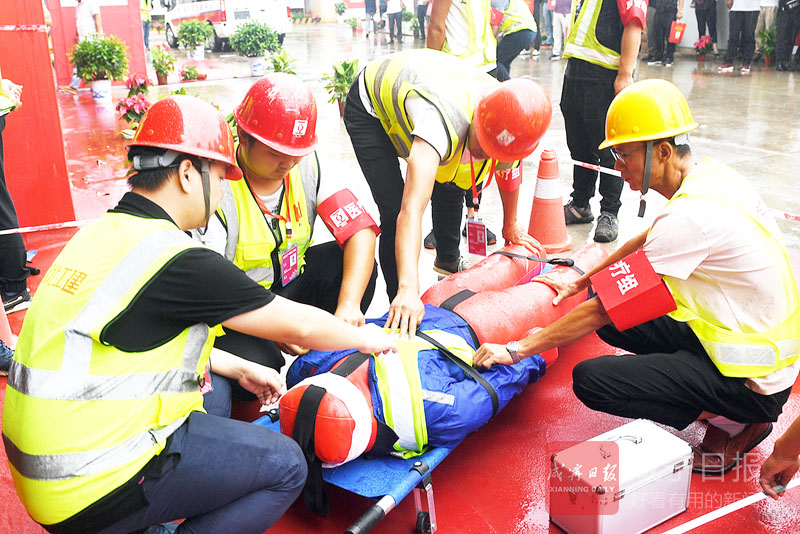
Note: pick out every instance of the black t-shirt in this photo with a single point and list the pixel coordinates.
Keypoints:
(197, 286)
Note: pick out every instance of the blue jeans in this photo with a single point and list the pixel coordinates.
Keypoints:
(396, 21)
(228, 476)
(146, 33)
(509, 48)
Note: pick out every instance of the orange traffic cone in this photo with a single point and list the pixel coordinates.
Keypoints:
(547, 223)
(5, 330)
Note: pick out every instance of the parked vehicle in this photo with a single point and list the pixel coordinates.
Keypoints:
(225, 16)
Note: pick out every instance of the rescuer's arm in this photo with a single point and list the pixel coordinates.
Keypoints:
(263, 382)
(406, 310)
(779, 468)
(285, 321)
(436, 24)
(513, 232)
(587, 317)
(359, 260)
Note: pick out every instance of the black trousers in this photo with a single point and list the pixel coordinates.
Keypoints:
(379, 162)
(422, 12)
(662, 48)
(509, 48)
(317, 286)
(588, 91)
(707, 19)
(669, 379)
(537, 15)
(742, 36)
(13, 273)
(788, 21)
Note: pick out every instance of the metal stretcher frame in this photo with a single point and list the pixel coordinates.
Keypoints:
(388, 480)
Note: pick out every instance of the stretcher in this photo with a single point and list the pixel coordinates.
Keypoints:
(387, 480)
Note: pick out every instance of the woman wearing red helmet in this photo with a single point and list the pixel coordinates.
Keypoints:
(446, 119)
(265, 222)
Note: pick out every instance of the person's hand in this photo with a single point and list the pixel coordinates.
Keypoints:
(517, 235)
(12, 91)
(777, 470)
(265, 383)
(375, 340)
(292, 349)
(489, 354)
(563, 288)
(350, 313)
(622, 81)
(405, 313)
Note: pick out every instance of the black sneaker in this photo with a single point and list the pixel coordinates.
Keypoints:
(16, 302)
(462, 264)
(430, 241)
(576, 215)
(6, 354)
(491, 239)
(607, 228)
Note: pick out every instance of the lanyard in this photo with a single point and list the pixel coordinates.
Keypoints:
(474, 184)
(292, 207)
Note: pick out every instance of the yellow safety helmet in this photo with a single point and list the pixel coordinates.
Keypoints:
(646, 111)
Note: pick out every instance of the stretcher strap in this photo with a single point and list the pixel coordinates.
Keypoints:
(455, 300)
(314, 494)
(352, 363)
(567, 262)
(464, 366)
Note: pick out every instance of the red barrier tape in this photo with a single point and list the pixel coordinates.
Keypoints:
(23, 28)
(56, 226)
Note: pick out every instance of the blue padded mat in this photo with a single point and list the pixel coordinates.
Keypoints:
(376, 477)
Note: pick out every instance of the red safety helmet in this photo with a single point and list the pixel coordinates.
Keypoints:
(511, 118)
(191, 126)
(280, 111)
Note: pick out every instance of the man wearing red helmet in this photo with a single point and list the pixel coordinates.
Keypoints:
(451, 123)
(104, 422)
(265, 222)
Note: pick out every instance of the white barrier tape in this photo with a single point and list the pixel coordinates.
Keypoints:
(604, 170)
(547, 189)
(55, 226)
(785, 215)
(725, 510)
(23, 28)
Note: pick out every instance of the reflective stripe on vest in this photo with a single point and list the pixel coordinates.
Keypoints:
(447, 83)
(479, 49)
(401, 392)
(582, 40)
(735, 353)
(251, 239)
(81, 417)
(516, 17)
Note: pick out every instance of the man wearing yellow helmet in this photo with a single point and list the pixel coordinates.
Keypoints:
(729, 353)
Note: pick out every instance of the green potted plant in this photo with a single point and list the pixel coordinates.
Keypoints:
(768, 40)
(252, 39)
(193, 35)
(415, 27)
(163, 62)
(98, 60)
(282, 62)
(340, 80)
(340, 8)
(353, 23)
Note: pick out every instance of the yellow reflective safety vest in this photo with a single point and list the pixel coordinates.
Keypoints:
(400, 388)
(447, 83)
(256, 240)
(743, 352)
(516, 17)
(82, 417)
(146, 8)
(582, 41)
(469, 35)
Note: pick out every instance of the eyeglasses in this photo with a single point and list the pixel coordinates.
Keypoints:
(624, 155)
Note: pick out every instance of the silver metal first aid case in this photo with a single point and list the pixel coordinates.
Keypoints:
(625, 481)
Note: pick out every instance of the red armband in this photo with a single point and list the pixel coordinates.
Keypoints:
(509, 179)
(631, 291)
(344, 215)
(496, 17)
(630, 10)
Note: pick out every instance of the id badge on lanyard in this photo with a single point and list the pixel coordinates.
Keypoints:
(205, 383)
(289, 265)
(476, 236)
(476, 228)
